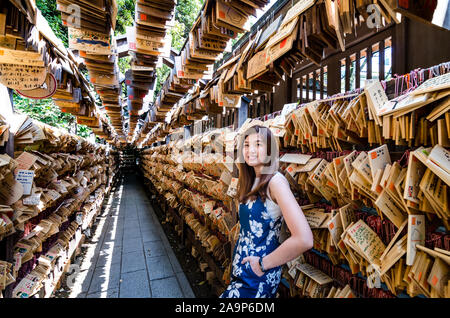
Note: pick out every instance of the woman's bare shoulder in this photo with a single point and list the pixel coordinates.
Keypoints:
(278, 179)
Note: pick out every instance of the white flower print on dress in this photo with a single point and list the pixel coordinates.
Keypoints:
(265, 214)
(234, 290)
(272, 279)
(256, 228)
(260, 290)
(250, 203)
(260, 248)
(247, 245)
(270, 236)
(237, 270)
(258, 237)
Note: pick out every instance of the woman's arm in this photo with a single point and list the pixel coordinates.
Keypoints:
(301, 238)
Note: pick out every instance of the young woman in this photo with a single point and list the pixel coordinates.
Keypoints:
(265, 200)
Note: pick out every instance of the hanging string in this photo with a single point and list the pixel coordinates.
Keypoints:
(416, 79)
(396, 80)
(436, 71)
(411, 80)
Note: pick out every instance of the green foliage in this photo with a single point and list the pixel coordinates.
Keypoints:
(53, 16)
(124, 64)
(84, 131)
(161, 75)
(125, 15)
(186, 12)
(47, 112)
(177, 33)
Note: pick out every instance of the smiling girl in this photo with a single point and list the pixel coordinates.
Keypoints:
(265, 199)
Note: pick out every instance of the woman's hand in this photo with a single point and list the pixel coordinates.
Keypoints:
(254, 263)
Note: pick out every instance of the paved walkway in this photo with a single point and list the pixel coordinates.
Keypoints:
(129, 255)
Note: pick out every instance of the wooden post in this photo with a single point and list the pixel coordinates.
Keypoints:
(381, 60)
(258, 107)
(314, 85)
(398, 42)
(369, 62)
(271, 102)
(289, 88)
(347, 73)
(358, 69)
(334, 77)
(301, 89)
(218, 121)
(321, 83)
(241, 113)
(264, 105)
(307, 88)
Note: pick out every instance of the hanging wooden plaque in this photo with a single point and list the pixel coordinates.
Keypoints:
(22, 77)
(46, 90)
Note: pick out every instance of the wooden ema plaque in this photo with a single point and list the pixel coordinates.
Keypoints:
(91, 42)
(46, 90)
(22, 77)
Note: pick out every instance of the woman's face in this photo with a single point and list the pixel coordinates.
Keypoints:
(255, 150)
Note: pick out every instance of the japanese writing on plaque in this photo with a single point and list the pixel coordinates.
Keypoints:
(367, 240)
(317, 175)
(378, 97)
(434, 84)
(23, 77)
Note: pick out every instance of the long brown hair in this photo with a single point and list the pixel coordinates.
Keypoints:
(247, 173)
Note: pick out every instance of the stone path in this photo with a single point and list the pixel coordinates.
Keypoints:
(129, 255)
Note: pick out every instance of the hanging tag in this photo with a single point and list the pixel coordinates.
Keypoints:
(232, 189)
(79, 218)
(25, 177)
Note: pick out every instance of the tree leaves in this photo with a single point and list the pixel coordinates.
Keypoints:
(186, 11)
(53, 16)
(161, 75)
(125, 15)
(47, 112)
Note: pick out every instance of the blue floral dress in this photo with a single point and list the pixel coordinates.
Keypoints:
(259, 236)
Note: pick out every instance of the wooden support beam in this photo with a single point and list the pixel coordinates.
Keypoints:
(381, 60)
(358, 69)
(369, 62)
(322, 83)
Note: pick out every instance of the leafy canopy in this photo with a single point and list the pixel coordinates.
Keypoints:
(46, 111)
